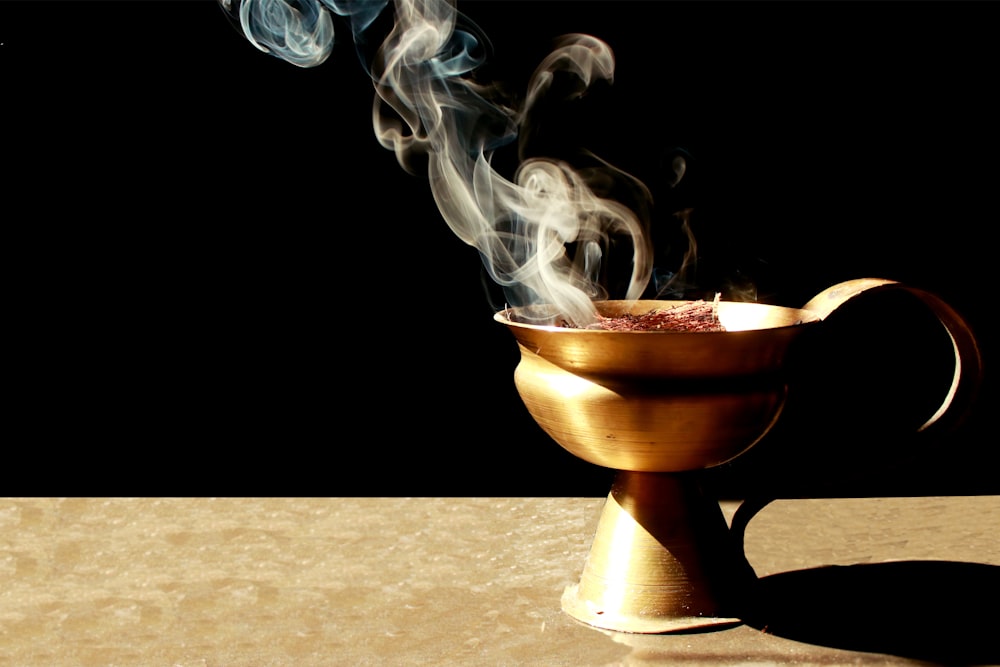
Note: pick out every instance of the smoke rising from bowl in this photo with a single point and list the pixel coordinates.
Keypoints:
(546, 233)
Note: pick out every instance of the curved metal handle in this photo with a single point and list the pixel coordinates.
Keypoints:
(967, 377)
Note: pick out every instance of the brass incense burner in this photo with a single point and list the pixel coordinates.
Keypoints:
(659, 406)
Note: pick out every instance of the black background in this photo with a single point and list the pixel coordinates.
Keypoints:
(220, 283)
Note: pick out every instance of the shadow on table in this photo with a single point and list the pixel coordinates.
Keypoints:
(937, 611)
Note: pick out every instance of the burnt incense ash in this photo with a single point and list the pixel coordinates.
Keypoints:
(693, 316)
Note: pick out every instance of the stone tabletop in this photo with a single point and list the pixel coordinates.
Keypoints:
(212, 582)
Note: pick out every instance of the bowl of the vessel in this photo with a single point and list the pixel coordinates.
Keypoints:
(657, 401)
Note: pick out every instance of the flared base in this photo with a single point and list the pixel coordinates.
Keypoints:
(662, 560)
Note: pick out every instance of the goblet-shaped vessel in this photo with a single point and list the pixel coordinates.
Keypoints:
(657, 407)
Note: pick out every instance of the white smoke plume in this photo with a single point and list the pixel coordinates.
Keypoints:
(543, 232)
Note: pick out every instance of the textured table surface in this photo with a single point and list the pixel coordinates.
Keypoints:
(470, 581)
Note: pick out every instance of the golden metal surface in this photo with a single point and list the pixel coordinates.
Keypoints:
(658, 401)
(658, 405)
(646, 427)
(661, 561)
(968, 369)
(755, 341)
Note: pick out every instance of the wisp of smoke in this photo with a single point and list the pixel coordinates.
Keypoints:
(545, 231)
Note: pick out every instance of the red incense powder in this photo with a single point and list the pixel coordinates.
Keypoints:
(693, 316)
